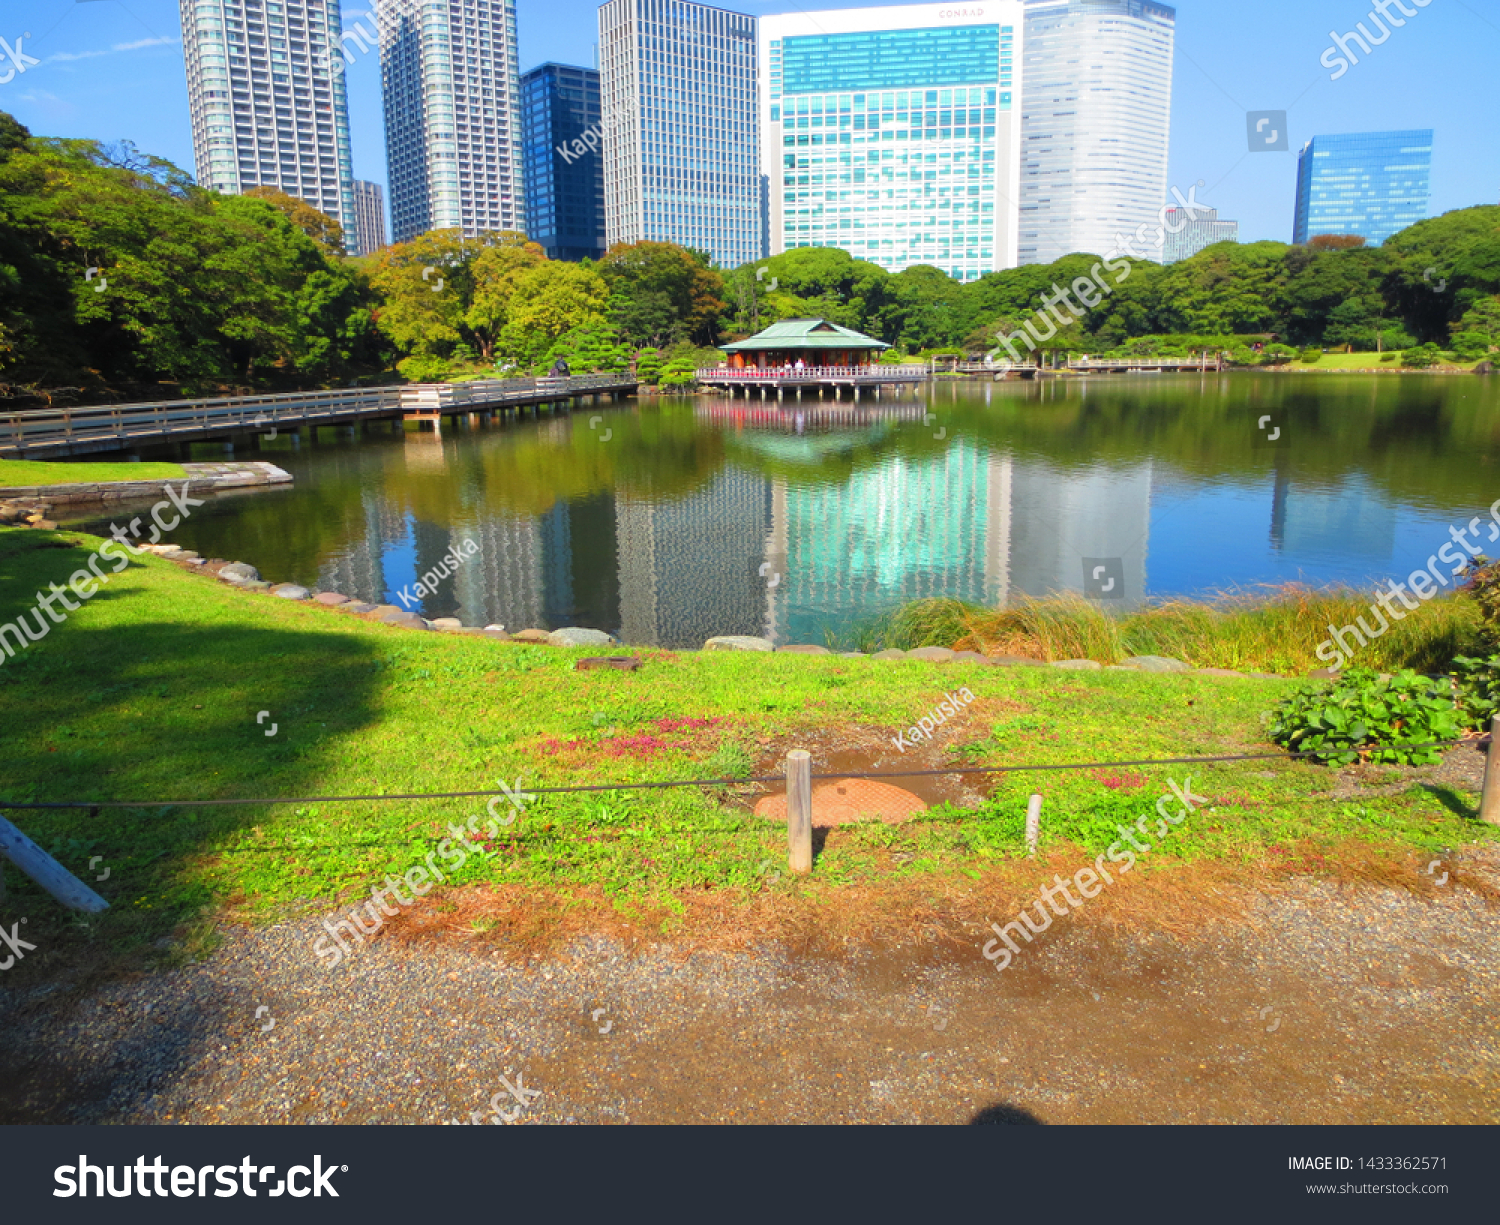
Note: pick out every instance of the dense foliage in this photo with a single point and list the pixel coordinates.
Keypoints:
(117, 273)
(1366, 716)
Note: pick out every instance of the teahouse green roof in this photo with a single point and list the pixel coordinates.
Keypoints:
(806, 334)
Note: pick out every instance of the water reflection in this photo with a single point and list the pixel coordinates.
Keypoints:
(711, 516)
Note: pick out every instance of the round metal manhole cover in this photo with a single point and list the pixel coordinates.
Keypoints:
(842, 800)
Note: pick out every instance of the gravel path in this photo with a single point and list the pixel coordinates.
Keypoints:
(1331, 1005)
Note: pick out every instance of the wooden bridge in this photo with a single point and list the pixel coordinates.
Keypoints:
(1201, 364)
(814, 379)
(56, 432)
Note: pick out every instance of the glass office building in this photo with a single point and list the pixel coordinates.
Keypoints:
(677, 85)
(894, 134)
(1195, 233)
(1373, 184)
(268, 108)
(564, 180)
(1096, 122)
(450, 85)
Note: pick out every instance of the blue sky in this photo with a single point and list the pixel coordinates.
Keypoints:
(112, 70)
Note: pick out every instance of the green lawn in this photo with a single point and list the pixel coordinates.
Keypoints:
(151, 692)
(24, 472)
(1368, 361)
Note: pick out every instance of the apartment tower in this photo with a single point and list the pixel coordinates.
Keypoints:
(369, 218)
(267, 108)
(450, 84)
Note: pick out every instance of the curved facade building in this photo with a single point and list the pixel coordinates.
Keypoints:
(1096, 121)
(268, 109)
(450, 83)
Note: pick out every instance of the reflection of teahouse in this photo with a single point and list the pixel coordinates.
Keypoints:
(810, 343)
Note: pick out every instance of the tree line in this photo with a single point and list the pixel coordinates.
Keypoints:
(119, 276)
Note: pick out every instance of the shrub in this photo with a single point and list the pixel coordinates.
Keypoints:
(1311, 356)
(423, 369)
(1478, 682)
(1470, 346)
(679, 372)
(1389, 357)
(648, 365)
(1345, 722)
(1422, 357)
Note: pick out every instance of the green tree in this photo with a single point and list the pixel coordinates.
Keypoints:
(661, 293)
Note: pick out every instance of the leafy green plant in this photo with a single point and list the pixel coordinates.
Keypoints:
(1363, 715)
(1311, 356)
(1478, 687)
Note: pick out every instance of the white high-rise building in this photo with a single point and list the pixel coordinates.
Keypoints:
(451, 86)
(1096, 120)
(267, 109)
(369, 212)
(895, 133)
(678, 95)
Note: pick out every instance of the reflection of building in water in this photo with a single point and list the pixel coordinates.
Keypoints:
(1059, 516)
(689, 568)
(1351, 519)
(580, 567)
(904, 530)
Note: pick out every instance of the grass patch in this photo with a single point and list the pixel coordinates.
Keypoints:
(27, 472)
(1278, 631)
(150, 692)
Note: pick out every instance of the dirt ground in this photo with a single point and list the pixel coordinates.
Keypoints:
(1325, 1003)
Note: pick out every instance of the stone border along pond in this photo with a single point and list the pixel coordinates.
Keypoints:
(247, 578)
(30, 504)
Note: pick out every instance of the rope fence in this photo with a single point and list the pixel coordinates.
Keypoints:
(74, 894)
(583, 788)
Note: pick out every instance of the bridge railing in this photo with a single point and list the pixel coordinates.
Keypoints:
(50, 428)
(886, 373)
(59, 429)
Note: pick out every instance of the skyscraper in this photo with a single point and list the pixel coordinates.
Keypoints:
(1368, 183)
(369, 216)
(1195, 233)
(449, 80)
(892, 133)
(1096, 119)
(564, 181)
(267, 109)
(677, 83)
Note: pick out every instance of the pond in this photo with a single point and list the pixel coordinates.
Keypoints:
(670, 520)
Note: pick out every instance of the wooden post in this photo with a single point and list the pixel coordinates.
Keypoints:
(1489, 798)
(799, 811)
(47, 872)
(1033, 823)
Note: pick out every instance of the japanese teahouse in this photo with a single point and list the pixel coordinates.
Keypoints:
(816, 343)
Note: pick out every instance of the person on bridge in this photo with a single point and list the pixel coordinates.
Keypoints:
(560, 369)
